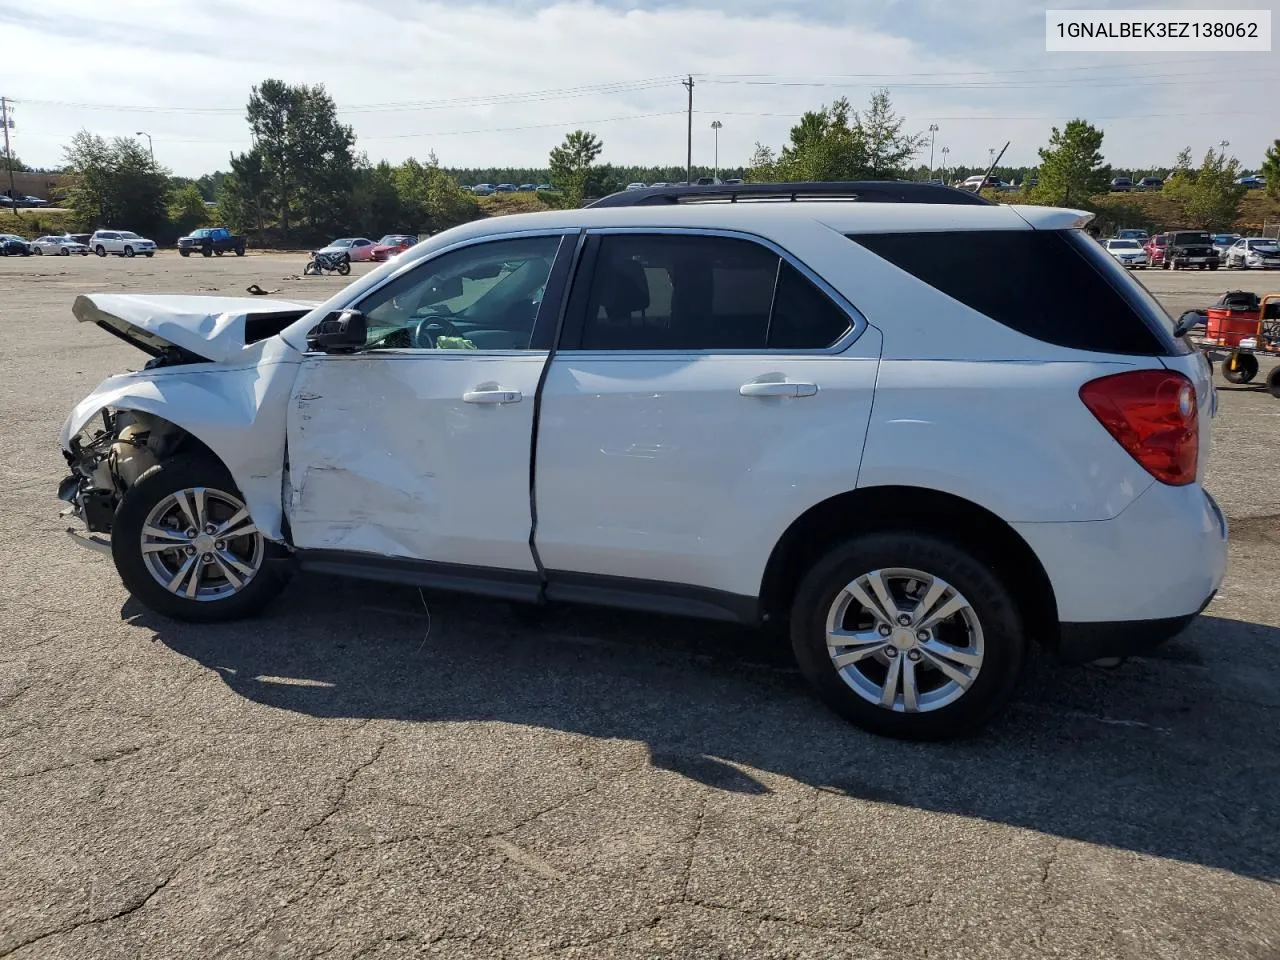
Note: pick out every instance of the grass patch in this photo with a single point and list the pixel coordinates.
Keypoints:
(500, 204)
(35, 223)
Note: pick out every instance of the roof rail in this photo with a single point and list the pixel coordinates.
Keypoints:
(867, 191)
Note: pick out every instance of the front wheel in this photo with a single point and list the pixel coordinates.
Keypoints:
(206, 252)
(184, 544)
(218, 253)
(100, 250)
(128, 252)
(311, 269)
(64, 252)
(908, 636)
(344, 268)
(184, 253)
(239, 251)
(39, 252)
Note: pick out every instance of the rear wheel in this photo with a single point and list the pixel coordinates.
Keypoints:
(1273, 382)
(39, 252)
(64, 252)
(184, 544)
(1240, 368)
(908, 636)
(207, 252)
(344, 268)
(218, 253)
(239, 251)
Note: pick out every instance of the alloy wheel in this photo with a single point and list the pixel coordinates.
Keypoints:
(201, 544)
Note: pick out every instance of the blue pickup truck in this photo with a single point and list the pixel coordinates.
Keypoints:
(211, 241)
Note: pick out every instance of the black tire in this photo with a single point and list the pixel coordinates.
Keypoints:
(128, 252)
(64, 252)
(239, 251)
(184, 253)
(84, 253)
(1213, 266)
(206, 252)
(160, 481)
(100, 250)
(1246, 368)
(311, 269)
(39, 252)
(344, 268)
(1273, 382)
(150, 254)
(1003, 638)
(218, 253)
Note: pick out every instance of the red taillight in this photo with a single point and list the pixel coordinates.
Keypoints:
(1152, 414)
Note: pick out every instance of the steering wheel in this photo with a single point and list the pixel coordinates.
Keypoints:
(425, 338)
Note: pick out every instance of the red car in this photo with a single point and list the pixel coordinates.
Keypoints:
(1155, 249)
(393, 244)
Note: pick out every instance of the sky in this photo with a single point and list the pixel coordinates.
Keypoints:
(499, 84)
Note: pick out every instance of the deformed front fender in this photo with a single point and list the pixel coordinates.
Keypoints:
(237, 412)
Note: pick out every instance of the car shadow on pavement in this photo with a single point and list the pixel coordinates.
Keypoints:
(1172, 755)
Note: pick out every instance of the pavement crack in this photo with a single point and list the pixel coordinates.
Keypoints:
(105, 758)
(129, 909)
(692, 842)
(345, 784)
(765, 916)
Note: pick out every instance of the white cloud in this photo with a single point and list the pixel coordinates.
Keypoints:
(184, 63)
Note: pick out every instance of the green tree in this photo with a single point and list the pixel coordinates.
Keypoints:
(1211, 201)
(245, 195)
(1071, 166)
(375, 204)
(889, 150)
(572, 164)
(117, 184)
(1271, 169)
(15, 164)
(837, 143)
(430, 199)
(186, 208)
(763, 165)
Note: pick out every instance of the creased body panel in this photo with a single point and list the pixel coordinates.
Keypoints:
(238, 412)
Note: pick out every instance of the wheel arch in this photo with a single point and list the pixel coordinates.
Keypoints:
(876, 509)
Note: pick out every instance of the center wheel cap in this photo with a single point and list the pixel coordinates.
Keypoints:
(203, 543)
(903, 639)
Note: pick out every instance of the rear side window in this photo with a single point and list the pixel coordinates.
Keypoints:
(1058, 286)
(678, 292)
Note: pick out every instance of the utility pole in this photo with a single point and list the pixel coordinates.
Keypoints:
(6, 123)
(716, 125)
(933, 133)
(688, 171)
(150, 145)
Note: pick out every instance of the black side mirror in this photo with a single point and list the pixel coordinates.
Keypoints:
(343, 332)
(1188, 322)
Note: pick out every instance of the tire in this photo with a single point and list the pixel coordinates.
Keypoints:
(905, 558)
(222, 601)
(84, 253)
(206, 252)
(39, 252)
(1213, 266)
(1273, 382)
(149, 255)
(1246, 369)
(184, 253)
(239, 251)
(64, 252)
(311, 269)
(128, 252)
(100, 250)
(218, 253)
(344, 268)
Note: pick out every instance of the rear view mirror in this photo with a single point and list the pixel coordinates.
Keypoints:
(343, 332)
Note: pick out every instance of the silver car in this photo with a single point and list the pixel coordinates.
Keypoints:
(1254, 252)
(58, 246)
(1222, 242)
(1128, 252)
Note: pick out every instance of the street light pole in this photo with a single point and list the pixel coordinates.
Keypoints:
(716, 125)
(1223, 144)
(933, 132)
(945, 151)
(150, 147)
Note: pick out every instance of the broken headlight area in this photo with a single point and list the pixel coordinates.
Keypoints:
(107, 459)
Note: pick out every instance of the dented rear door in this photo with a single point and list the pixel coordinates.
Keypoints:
(419, 447)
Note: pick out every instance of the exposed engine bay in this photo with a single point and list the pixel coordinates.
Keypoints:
(105, 462)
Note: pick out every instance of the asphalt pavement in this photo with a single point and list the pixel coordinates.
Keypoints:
(370, 771)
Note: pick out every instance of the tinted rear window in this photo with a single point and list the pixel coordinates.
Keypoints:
(1058, 286)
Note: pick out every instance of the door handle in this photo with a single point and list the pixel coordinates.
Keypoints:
(771, 388)
(492, 396)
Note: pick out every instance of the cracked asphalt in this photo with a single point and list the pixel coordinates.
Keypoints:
(372, 772)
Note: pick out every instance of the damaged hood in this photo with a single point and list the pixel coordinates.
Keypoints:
(216, 329)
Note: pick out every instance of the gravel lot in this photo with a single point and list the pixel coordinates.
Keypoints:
(356, 776)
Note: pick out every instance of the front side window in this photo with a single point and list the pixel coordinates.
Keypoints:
(678, 292)
(481, 297)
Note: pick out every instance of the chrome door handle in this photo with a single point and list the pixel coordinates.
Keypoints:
(492, 396)
(775, 389)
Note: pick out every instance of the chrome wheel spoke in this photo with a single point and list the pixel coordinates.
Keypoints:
(889, 693)
(204, 566)
(160, 546)
(965, 658)
(910, 691)
(881, 590)
(202, 508)
(849, 647)
(228, 558)
(227, 571)
(937, 587)
(175, 584)
(193, 582)
(159, 533)
(187, 510)
(225, 528)
(950, 670)
(944, 612)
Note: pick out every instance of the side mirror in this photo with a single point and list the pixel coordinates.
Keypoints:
(1188, 322)
(343, 332)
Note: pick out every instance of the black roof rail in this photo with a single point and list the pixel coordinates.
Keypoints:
(867, 191)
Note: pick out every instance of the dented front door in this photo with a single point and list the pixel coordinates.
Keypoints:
(419, 446)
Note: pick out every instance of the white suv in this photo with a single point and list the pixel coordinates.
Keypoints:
(123, 243)
(831, 417)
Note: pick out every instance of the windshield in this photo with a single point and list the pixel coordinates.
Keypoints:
(1226, 238)
(127, 235)
(340, 243)
(1191, 239)
(1263, 244)
(1124, 245)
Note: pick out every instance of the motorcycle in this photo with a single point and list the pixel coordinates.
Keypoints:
(339, 263)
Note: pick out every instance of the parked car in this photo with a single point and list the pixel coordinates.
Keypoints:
(1254, 252)
(1154, 248)
(636, 186)
(482, 189)
(356, 248)
(393, 244)
(546, 186)
(527, 188)
(875, 487)
(1121, 185)
(122, 243)
(505, 188)
(733, 181)
(12, 245)
(977, 182)
(1128, 253)
(1222, 242)
(1149, 183)
(211, 242)
(1190, 248)
(59, 246)
(1132, 233)
(34, 202)
(79, 237)
(707, 181)
(1252, 182)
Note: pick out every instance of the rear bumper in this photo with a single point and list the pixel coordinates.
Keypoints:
(1084, 642)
